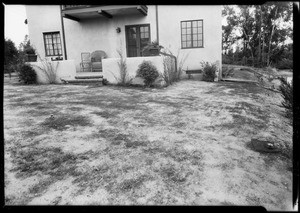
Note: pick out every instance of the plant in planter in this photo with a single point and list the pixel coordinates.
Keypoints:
(152, 49)
(30, 54)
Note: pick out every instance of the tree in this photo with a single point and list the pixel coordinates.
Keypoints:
(10, 55)
(10, 52)
(262, 28)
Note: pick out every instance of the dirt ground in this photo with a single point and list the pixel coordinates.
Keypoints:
(188, 144)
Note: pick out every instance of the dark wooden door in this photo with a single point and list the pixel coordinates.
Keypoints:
(137, 37)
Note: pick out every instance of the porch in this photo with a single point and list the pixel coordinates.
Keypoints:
(79, 12)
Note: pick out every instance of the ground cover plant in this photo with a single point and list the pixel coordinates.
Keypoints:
(187, 144)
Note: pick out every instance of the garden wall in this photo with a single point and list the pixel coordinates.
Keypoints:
(65, 69)
(111, 69)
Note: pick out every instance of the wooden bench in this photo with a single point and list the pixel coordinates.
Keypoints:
(190, 72)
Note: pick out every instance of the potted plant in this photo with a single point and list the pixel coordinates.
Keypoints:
(152, 49)
(30, 54)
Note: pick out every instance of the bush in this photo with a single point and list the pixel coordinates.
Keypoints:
(209, 71)
(27, 74)
(148, 72)
(226, 59)
(105, 81)
(285, 64)
(286, 90)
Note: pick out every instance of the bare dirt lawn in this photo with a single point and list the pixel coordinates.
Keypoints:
(188, 144)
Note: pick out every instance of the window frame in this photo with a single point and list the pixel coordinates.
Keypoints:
(181, 35)
(138, 37)
(45, 44)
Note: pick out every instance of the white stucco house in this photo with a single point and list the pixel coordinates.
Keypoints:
(67, 31)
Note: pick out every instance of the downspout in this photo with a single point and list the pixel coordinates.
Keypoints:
(157, 32)
(63, 33)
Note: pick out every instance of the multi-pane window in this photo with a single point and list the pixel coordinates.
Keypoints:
(52, 44)
(192, 34)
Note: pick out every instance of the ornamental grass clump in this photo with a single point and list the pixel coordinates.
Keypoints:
(148, 72)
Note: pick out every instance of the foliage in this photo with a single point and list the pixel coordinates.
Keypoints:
(105, 81)
(26, 46)
(209, 71)
(286, 90)
(227, 72)
(27, 74)
(171, 74)
(124, 78)
(151, 45)
(10, 56)
(148, 72)
(284, 64)
(261, 29)
(48, 68)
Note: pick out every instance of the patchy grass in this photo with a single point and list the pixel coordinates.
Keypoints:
(61, 122)
(185, 144)
(106, 114)
(172, 172)
(29, 161)
(132, 183)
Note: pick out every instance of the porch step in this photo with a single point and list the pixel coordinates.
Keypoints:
(83, 81)
(89, 77)
(238, 80)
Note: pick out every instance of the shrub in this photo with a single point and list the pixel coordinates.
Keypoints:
(105, 81)
(171, 74)
(209, 71)
(27, 74)
(285, 64)
(148, 72)
(226, 59)
(286, 90)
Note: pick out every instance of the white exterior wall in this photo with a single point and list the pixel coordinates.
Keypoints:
(170, 18)
(41, 19)
(65, 69)
(111, 69)
(100, 33)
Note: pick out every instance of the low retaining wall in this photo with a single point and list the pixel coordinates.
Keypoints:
(111, 69)
(65, 69)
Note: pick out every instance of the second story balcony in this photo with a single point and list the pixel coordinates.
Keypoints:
(79, 12)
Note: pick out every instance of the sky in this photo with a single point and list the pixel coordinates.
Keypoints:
(14, 26)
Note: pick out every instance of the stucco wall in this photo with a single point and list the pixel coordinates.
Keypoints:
(42, 18)
(65, 69)
(100, 34)
(170, 32)
(111, 69)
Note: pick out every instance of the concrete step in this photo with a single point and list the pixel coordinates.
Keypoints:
(238, 80)
(82, 81)
(89, 77)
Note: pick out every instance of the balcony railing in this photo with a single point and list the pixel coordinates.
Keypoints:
(68, 7)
